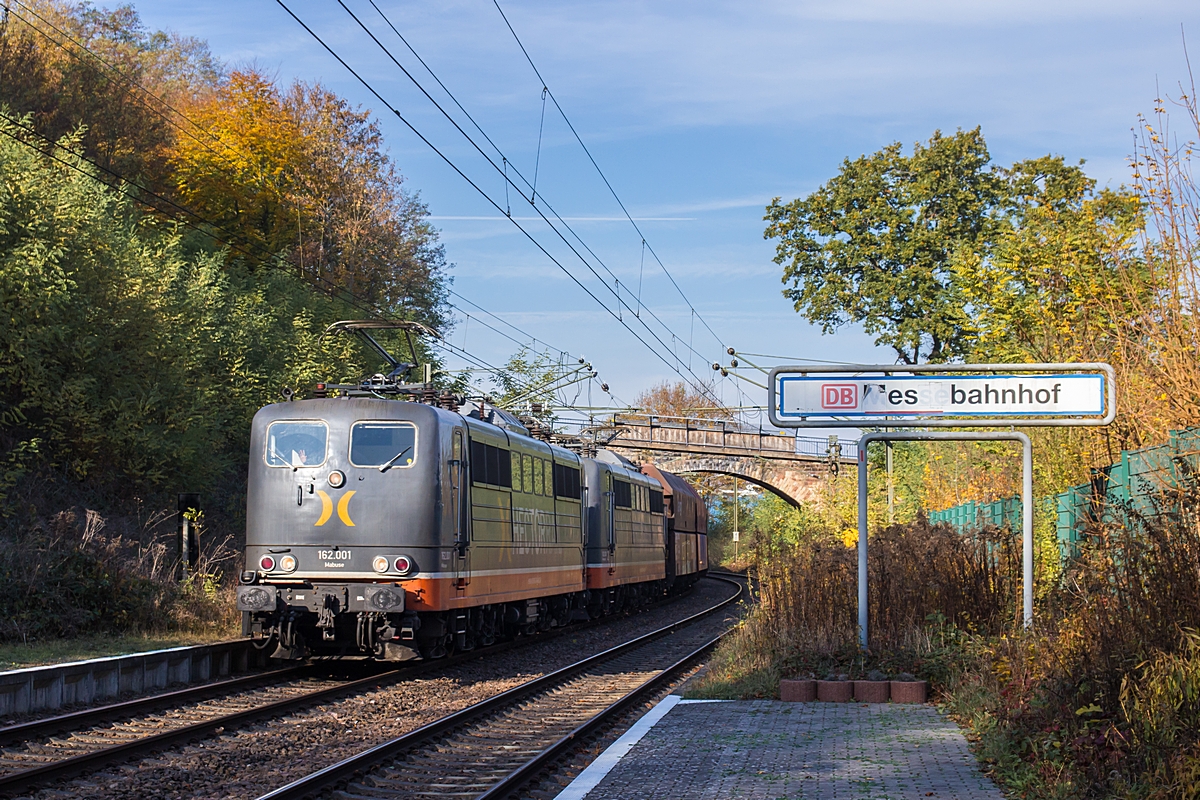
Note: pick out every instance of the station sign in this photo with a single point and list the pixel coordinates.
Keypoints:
(941, 395)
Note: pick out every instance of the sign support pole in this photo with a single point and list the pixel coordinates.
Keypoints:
(891, 486)
(937, 397)
(929, 436)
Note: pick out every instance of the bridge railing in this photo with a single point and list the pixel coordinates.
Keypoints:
(728, 433)
(819, 446)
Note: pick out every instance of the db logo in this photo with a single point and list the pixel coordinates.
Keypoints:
(839, 395)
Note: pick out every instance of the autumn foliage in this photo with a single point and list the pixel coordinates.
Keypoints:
(303, 173)
(270, 172)
(174, 237)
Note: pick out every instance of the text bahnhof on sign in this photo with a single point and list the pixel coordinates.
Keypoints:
(925, 395)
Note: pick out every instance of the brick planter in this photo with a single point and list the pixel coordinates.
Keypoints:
(798, 691)
(835, 691)
(909, 691)
(871, 691)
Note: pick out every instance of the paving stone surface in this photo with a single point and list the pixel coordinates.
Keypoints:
(769, 750)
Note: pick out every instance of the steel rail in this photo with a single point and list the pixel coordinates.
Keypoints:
(356, 764)
(523, 775)
(45, 726)
(84, 762)
(72, 766)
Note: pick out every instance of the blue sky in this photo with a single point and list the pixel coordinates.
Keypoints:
(699, 113)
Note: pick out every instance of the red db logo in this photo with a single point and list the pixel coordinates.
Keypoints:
(839, 395)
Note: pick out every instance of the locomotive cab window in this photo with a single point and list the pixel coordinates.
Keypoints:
(374, 444)
(296, 443)
(656, 501)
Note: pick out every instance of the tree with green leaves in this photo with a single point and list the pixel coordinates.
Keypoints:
(876, 244)
(135, 357)
(1063, 273)
(529, 382)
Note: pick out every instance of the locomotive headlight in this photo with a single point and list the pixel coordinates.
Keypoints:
(267, 563)
(403, 564)
(380, 564)
(337, 479)
(288, 563)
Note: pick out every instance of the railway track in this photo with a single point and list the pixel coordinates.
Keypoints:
(490, 750)
(47, 750)
(50, 750)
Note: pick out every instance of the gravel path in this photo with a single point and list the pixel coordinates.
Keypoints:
(251, 761)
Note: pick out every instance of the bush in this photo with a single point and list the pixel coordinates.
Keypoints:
(1101, 699)
(74, 574)
(929, 586)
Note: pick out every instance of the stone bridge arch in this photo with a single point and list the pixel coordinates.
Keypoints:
(793, 482)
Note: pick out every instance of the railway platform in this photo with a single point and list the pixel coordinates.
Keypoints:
(767, 750)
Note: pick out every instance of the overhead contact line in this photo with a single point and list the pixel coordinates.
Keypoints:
(489, 198)
(699, 386)
(506, 163)
(603, 177)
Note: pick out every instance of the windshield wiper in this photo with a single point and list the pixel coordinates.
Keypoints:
(394, 459)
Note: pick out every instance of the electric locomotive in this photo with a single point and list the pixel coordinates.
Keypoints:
(398, 529)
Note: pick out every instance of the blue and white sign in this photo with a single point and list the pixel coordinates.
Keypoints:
(817, 395)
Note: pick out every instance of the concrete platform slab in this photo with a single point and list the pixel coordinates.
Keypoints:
(769, 750)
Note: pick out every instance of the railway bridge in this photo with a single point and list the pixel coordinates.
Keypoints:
(792, 467)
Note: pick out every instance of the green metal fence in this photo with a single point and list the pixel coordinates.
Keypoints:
(1003, 513)
(1144, 481)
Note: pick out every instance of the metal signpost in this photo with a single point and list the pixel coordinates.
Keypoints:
(943, 396)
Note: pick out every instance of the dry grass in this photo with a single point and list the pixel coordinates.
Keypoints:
(1101, 700)
(15, 655)
(928, 585)
(78, 574)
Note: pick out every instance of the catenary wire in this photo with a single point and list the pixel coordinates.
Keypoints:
(528, 336)
(504, 174)
(603, 177)
(506, 164)
(796, 358)
(699, 385)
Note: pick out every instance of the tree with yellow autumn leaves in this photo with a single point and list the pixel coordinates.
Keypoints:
(303, 173)
(108, 131)
(291, 172)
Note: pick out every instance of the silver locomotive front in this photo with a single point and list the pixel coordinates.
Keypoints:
(338, 515)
